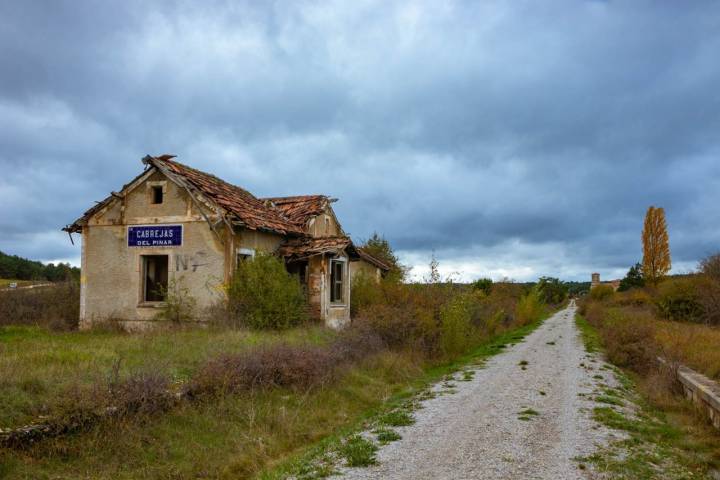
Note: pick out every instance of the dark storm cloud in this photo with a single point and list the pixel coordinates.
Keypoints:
(514, 138)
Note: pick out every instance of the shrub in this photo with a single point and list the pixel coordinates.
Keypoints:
(483, 284)
(81, 407)
(456, 329)
(281, 365)
(263, 294)
(629, 338)
(365, 291)
(634, 297)
(678, 300)
(143, 393)
(601, 292)
(710, 267)
(355, 343)
(708, 289)
(552, 290)
(530, 307)
(708, 297)
(179, 304)
(401, 326)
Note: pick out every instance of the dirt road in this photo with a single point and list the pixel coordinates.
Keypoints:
(481, 432)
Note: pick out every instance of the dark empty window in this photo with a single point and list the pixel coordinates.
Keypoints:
(155, 277)
(337, 270)
(243, 255)
(157, 194)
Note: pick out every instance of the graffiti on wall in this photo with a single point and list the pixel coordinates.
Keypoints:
(192, 262)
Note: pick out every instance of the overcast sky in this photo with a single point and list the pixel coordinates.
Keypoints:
(513, 138)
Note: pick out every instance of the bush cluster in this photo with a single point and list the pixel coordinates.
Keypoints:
(639, 325)
(282, 365)
(443, 319)
(263, 294)
(139, 395)
(627, 333)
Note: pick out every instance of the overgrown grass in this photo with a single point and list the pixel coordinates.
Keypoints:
(693, 344)
(667, 437)
(241, 435)
(286, 390)
(56, 306)
(637, 323)
(358, 451)
(37, 365)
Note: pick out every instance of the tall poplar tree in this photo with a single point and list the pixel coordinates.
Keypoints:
(656, 246)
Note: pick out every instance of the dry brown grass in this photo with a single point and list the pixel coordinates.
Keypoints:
(634, 332)
(695, 345)
(56, 307)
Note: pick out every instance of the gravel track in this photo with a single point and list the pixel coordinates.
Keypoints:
(477, 432)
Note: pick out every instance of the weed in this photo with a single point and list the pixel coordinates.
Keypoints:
(529, 412)
(550, 343)
(523, 363)
(386, 435)
(610, 400)
(358, 451)
(397, 418)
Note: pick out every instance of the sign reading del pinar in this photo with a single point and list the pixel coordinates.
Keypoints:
(155, 236)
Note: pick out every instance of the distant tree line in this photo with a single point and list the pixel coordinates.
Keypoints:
(18, 268)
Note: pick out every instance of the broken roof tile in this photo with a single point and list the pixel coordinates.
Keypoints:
(301, 208)
(300, 248)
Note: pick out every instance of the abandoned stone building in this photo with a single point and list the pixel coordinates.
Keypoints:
(595, 282)
(176, 223)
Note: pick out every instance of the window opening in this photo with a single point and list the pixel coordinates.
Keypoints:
(337, 270)
(155, 277)
(157, 194)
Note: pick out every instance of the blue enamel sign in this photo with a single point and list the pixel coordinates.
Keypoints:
(155, 236)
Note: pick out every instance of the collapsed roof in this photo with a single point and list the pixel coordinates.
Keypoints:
(301, 208)
(286, 216)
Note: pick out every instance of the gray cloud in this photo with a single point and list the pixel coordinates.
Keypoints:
(532, 134)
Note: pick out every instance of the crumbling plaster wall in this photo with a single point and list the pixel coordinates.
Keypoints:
(111, 282)
(324, 225)
(361, 267)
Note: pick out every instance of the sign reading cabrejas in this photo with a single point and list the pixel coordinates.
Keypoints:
(155, 235)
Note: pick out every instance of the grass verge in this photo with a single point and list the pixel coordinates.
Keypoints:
(664, 437)
(267, 433)
(38, 365)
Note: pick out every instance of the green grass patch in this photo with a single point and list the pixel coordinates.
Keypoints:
(397, 418)
(358, 451)
(610, 400)
(529, 412)
(37, 365)
(266, 434)
(386, 435)
(660, 444)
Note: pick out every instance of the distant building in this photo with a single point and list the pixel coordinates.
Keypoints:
(615, 284)
(175, 222)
